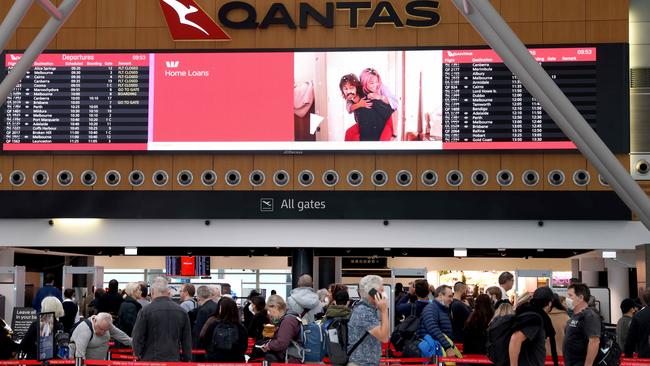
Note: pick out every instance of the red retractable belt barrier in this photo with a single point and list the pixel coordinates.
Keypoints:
(20, 362)
(60, 362)
(127, 363)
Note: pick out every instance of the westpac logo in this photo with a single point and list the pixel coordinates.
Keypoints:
(187, 21)
(172, 64)
(15, 57)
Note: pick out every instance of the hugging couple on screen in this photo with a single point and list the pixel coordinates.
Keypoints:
(372, 104)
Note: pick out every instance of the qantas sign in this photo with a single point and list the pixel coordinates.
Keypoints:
(187, 21)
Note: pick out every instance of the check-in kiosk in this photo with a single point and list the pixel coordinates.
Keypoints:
(12, 286)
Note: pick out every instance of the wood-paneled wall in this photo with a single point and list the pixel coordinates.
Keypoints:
(131, 24)
(343, 164)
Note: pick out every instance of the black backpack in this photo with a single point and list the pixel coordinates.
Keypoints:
(499, 332)
(609, 351)
(224, 337)
(192, 314)
(336, 340)
(406, 331)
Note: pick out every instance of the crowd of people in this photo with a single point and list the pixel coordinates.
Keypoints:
(428, 321)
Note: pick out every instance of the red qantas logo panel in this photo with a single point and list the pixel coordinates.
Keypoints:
(188, 22)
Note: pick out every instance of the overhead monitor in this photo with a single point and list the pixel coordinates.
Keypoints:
(373, 100)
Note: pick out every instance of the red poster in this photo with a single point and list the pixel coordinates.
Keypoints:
(219, 97)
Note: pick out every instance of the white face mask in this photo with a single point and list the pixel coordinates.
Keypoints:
(569, 303)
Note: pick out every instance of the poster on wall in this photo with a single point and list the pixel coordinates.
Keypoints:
(425, 100)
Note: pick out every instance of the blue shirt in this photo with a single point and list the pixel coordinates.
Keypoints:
(364, 318)
(43, 292)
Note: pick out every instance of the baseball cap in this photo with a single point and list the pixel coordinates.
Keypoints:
(544, 294)
(627, 305)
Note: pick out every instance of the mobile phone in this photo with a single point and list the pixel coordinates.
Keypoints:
(373, 292)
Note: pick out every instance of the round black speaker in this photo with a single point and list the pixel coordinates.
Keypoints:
(602, 181)
(505, 177)
(454, 178)
(136, 178)
(112, 178)
(17, 178)
(160, 178)
(64, 178)
(209, 178)
(556, 177)
(355, 178)
(88, 178)
(281, 178)
(429, 178)
(233, 178)
(256, 178)
(379, 178)
(404, 178)
(184, 178)
(581, 177)
(530, 178)
(479, 178)
(40, 178)
(306, 178)
(642, 167)
(330, 178)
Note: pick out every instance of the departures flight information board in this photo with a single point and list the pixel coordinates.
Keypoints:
(424, 100)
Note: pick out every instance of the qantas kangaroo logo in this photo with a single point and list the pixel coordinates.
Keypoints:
(187, 21)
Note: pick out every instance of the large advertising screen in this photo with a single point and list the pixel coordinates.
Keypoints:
(426, 100)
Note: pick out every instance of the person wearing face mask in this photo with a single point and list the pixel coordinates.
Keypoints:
(89, 340)
(531, 328)
(246, 309)
(582, 334)
(628, 308)
(435, 320)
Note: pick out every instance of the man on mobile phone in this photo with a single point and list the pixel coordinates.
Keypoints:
(367, 330)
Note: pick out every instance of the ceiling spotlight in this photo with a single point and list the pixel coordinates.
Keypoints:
(460, 252)
(609, 254)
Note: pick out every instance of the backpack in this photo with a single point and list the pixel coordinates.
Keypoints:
(609, 351)
(312, 339)
(335, 333)
(192, 314)
(498, 334)
(406, 331)
(224, 337)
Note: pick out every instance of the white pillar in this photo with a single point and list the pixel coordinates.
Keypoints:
(6, 260)
(618, 283)
(590, 278)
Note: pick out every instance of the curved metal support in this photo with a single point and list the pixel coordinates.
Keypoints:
(496, 32)
(12, 20)
(37, 46)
